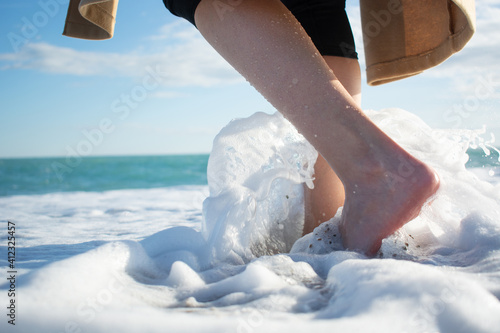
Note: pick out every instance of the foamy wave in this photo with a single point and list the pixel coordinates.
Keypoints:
(438, 273)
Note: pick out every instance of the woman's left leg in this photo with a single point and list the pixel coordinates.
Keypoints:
(328, 195)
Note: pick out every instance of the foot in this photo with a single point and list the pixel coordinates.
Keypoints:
(383, 202)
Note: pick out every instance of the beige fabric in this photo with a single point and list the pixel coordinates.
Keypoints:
(401, 37)
(405, 37)
(91, 19)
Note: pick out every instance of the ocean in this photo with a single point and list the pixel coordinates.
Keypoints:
(28, 176)
(213, 243)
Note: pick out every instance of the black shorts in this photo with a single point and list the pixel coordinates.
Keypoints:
(325, 21)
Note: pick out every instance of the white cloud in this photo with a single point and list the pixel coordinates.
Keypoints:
(62, 60)
(167, 94)
(479, 58)
(187, 60)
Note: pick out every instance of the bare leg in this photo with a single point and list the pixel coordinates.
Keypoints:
(322, 202)
(265, 43)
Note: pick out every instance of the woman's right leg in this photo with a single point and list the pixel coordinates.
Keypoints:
(265, 43)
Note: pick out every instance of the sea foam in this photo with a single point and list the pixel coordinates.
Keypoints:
(246, 266)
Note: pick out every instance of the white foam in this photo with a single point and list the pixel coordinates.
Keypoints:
(231, 270)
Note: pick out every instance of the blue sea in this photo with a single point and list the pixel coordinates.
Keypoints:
(199, 243)
(27, 176)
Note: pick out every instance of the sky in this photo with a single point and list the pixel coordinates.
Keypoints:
(157, 87)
